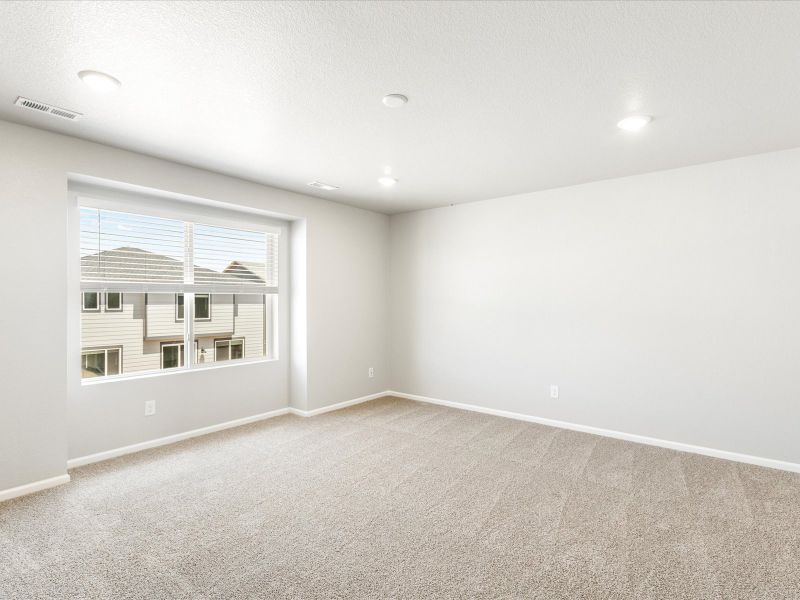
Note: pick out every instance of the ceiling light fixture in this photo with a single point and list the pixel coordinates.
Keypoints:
(634, 122)
(395, 100)
(387, 181)
(99, 82)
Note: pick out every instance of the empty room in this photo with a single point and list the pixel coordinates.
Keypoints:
(420, 300)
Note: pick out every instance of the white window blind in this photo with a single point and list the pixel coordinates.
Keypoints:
(244, 258)
(124, 251)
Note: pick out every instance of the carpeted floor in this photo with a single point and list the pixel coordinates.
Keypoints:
(395, 499)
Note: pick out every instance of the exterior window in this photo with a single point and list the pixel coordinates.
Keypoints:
(202, 307)
(101, 362)
(90, 301)
(171, 355)
(113, 301)
(228, 350)
(157, 268)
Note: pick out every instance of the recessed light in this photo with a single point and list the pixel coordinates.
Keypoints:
(387, 181)
(323, 186)
(100, 82)
(634, 122)
(395, 100)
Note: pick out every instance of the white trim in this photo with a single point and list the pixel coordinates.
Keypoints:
(83, 300)
(331, 407)
(105, 350)
(154, 203)
(170, 439)
(121, 302)
(620, 435)
(36, 486)
(165, 372)
(181, 355)
(228, 341)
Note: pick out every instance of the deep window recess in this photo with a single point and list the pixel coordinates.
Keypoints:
(173, 281)
(101, 362)
(90, 301)
(113, 301)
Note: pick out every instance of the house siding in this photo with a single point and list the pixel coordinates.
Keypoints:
(148, 320)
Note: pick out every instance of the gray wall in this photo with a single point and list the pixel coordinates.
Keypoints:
(44, 420)
(664, 305)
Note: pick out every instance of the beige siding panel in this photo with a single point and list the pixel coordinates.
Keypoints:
(221, 322)
(162, 322)
(249, 323)
(248, 315)
(157, 318)
(124, 328)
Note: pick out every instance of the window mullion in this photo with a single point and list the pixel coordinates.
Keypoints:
(188, 297)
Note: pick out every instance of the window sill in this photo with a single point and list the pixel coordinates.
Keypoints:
(181, 371)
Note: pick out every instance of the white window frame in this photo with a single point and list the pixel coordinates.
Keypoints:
(229, 341)
(203, 319)
(121, 302)
(210, 212)
(105, 350)
(181, 355)
(83, 301)
(180, 319)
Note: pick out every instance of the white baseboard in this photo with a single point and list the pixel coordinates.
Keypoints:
(170, 439)
(620, 435)
(36, 486)
(345, 404)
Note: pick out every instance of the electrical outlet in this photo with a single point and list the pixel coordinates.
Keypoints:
(149, 408)
(554, 391)
(371, 373)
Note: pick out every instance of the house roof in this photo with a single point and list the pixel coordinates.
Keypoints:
(251, 271)
(138, 265)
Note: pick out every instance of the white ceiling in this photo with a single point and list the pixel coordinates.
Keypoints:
(505, 97)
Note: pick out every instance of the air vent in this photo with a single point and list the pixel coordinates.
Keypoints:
(323, 186)
(63, 113)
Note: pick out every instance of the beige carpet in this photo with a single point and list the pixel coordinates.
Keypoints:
(394, 499)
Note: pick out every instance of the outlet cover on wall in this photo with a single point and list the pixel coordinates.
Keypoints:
(149, 408)
(371, 372)
(554, 391)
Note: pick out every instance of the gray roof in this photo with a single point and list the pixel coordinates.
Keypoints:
(250, 271)
(137, 265)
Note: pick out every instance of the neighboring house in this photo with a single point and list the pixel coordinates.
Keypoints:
(125, 332)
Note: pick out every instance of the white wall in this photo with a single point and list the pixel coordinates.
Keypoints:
(346, 250)
(665, 305)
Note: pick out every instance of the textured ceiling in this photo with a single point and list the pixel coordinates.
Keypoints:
(505, 97)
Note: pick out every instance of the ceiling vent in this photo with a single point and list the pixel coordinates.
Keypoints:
(69, 115)
(323, 186)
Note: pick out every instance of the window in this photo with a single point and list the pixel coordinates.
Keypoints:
(171, 281)
(101, 362)
(113, 301)
(228, 349)
(90, 301)
(202, 307)
(172, 355)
